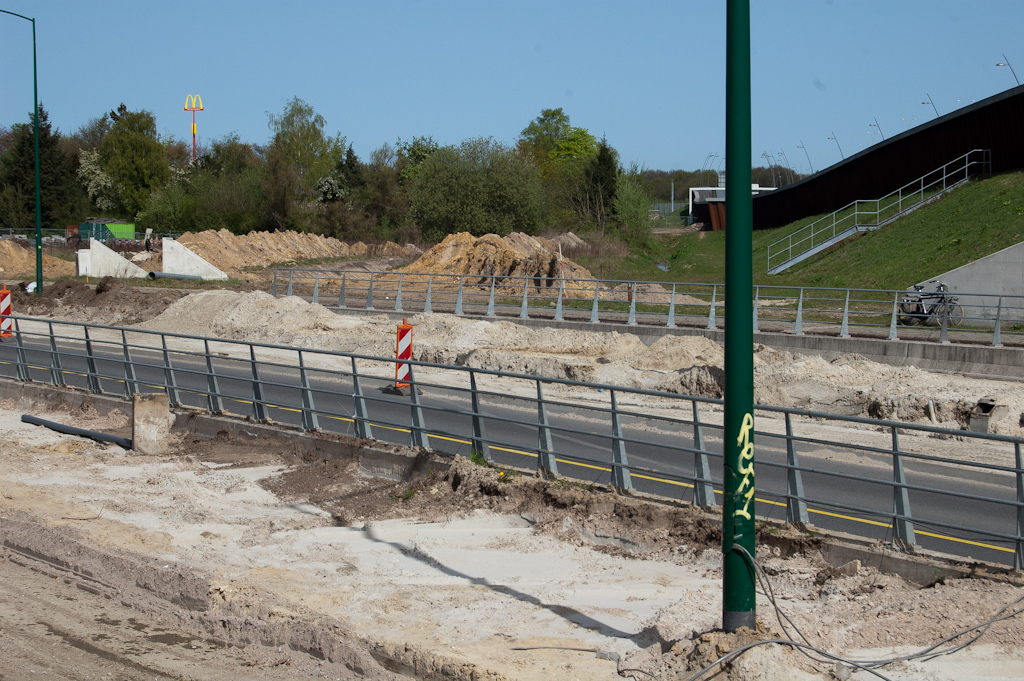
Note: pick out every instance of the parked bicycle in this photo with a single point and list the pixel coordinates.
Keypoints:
(930, 308)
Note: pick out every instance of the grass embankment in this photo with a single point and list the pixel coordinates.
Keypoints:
(973, 221)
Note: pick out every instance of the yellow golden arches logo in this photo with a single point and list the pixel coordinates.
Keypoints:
(193, 103)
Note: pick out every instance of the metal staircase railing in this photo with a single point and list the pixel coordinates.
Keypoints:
(867, 215)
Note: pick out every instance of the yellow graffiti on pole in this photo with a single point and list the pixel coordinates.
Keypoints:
(746, 441)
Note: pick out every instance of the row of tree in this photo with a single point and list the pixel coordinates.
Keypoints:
(555, 176)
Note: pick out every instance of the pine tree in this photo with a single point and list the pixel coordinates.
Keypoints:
(59, 190)
(601, 181)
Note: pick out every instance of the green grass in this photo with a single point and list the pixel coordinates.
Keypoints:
(973, 221)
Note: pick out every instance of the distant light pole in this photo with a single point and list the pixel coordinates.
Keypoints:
(771, 168)
(833, 138)
(1006, 62)
(876, 125)
(933, 105)
(785, 159)
(801, 146)
(35, 126)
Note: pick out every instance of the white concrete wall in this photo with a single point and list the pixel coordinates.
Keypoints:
(180, 260)
(994, 276)
(82, 263)
(104, 262)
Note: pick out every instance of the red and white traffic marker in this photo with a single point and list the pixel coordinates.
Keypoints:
(403, 351)
(6, 323)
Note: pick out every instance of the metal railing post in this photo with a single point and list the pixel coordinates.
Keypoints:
(419, 431)
(944, 330)
(129, 368)
(428, 305)
(22, 361)
(369, 294)
(259, 408)
(214, 402)
(796, 507)
(290, 273)
(171, 383)
(490, 299)
(1018, 554)
(621, 480)
(757, 300)
(341, 294)
(458, 297)
(632, 305)
(316, 286)
(56, 372)
(479, 438)
(398, 296)
(892, 321)
(844, 328)
(798, 327)
(594, 318)
(903, 526)
(361, 414)
(558, 303)
(547, 466)
(524, 309)
(310, 421)
(671, 322)
(273, 286)
(90, 363)
(997, 340)
(711, 308)
(703, 491)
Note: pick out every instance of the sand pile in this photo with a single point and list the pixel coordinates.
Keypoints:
(515, 255)
(691, 365)
(16, 261)
(233, 253)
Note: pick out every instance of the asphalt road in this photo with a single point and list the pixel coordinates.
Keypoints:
(659, 452)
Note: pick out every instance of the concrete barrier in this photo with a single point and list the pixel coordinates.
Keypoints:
(998, 274)
(100, 261)
(177, 259)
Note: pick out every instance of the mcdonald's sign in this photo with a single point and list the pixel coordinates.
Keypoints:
(193, 103)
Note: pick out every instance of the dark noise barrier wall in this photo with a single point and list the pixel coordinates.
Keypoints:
(996, 123)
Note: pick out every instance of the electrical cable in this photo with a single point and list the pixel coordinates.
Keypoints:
(870, 666)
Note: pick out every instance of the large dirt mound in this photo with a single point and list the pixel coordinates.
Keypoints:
(233, 253)
(16, 261)
(515, 255)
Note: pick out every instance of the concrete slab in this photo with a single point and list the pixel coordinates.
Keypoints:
(177, 259)
(151, 423)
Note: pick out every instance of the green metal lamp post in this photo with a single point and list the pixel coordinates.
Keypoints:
(35, 125)
(738, 597)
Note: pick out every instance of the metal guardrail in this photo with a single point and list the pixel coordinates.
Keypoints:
(991, 318)
(625, 438)
(866, 215)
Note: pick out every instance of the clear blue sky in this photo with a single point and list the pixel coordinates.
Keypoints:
(648, 75)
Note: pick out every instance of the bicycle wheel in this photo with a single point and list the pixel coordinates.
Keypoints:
(956, 314)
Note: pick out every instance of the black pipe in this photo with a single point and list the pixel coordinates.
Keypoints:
(71, 430)
(171, 275)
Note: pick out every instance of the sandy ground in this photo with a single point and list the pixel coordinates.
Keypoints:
(470, 574)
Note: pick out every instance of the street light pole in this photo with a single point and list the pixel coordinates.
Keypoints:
(833, 138)
(933, 105)
(35, 126)
(876, 125)
(1006, 62)
(801, 146)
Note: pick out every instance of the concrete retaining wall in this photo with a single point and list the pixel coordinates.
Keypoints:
(999, 274)
(177, 259)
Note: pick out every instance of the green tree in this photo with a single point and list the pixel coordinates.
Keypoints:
(411, 156)
(480, 187)
(300, 143)
(61, 196)
(538, 139)
(133, 157)
(632, 205)
(601, 179)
